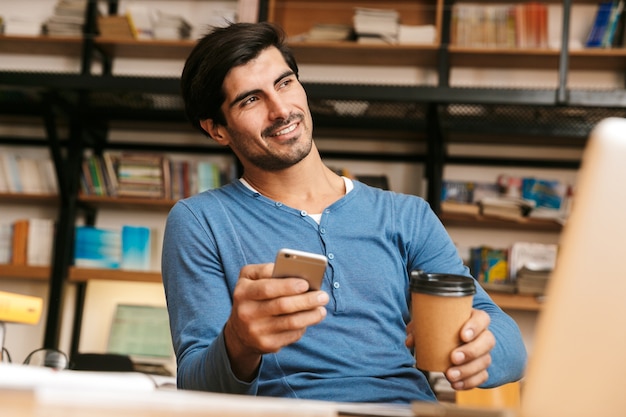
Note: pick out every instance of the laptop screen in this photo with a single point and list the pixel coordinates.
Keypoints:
(141, 332)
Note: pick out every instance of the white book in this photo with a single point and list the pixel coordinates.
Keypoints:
(39, 242)
(4, 184)
(6, 236)
(11, 171)
(30, 177)
(48, 177)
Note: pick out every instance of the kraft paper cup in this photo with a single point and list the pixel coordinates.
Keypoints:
(440, 305)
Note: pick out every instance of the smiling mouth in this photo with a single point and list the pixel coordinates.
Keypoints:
(286, 130)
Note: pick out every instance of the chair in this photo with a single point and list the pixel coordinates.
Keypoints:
(505, 396)
(108, 362)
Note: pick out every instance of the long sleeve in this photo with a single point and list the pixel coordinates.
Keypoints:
(193, 276)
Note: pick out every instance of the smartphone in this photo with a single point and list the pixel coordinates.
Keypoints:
(296, 263)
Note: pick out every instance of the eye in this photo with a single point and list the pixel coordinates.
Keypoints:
(249, 100)
(285, 82)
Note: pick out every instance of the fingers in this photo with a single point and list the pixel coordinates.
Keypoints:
(410, 339)
(472, 358)
(270, 313)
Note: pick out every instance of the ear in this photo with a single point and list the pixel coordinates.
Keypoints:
(214, 130)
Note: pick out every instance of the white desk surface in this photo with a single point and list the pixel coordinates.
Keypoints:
(27, 391)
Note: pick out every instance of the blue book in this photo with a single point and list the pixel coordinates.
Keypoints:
(136, 248)
(97, 248)
(600, 25)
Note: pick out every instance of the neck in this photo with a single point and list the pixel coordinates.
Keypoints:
(309, 185)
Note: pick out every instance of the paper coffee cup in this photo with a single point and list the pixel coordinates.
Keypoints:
(440, 305)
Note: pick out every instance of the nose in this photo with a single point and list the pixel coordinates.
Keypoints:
(277, 107)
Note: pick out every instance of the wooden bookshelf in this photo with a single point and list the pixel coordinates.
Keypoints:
(41, 45)
(38, 273)
(77, 274)
(516, 301)
(468, 220)
(127, 202)
(145, 49)
(21, 198)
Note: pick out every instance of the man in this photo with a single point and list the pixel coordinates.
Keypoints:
(237, 330)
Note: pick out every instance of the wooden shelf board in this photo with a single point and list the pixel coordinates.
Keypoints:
(145, 49)
(18, 198)
(516, 301)
(41, 45)
(77, 274)
(352, 53)
(39, 273)
(467, 220)
(127, 202)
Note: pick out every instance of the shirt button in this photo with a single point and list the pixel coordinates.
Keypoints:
(331, 256)
(336, 285)
(327, 211)
(303, 213)
(322, 230)
(279, 204)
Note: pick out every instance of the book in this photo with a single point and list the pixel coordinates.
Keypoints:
(506, 207)
(39, 242)
(532, 281)
(616, 12)
(489, 265)
(531, 256)
(6, 236)
(136, 248)
(97, 247)
(460, 208)
(19, 242)
(9, 165)
(140, 19)
(18, 308)
(600, 24)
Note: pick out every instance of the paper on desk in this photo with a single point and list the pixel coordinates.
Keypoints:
(189, 403)
(14, 376)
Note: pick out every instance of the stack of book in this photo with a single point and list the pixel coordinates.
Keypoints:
(532, 281)
(531, 265)
(140, 175)
(68, 18)
(20, 26)
(114, 27)
(329, 33)
(376, 25)
(168, 26)
(464, 196)
(508, 208)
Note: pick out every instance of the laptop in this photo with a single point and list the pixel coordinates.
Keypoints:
(578, 364)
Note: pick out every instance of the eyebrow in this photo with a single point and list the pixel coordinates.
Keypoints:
(245, 94)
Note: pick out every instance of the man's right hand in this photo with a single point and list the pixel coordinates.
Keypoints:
(268, 314)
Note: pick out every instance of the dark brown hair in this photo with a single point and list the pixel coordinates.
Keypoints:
(215, 55)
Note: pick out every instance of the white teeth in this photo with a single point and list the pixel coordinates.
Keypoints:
(285, 131)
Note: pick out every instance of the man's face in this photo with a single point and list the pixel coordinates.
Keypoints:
(268, 122)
